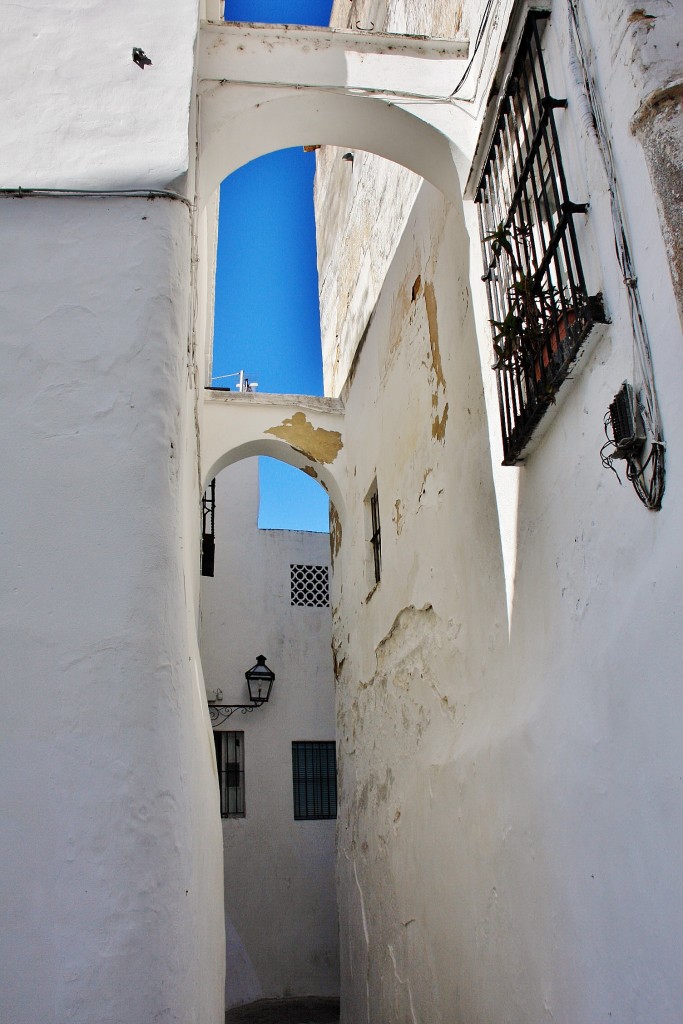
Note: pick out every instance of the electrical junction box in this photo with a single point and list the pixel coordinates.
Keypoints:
(628, 432)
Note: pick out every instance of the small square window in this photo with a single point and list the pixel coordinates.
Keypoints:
(230, 762)
(314, 777)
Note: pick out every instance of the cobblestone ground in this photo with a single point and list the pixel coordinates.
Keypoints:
(308, 1010)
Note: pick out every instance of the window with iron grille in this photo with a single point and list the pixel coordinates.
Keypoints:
(314, 775)
(310, 586)
(374, 532)
(540, 312)
(208, 529)
(230, 762)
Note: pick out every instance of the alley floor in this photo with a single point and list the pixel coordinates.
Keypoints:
(307, 1010)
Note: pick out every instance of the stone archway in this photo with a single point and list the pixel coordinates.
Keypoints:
(265, 88)
(303, 431)
(270, 87)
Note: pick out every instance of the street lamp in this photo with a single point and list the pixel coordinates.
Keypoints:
(259, 682)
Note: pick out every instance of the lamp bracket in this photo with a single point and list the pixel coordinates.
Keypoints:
(219, 713)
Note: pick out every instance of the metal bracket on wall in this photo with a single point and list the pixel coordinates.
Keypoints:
(219, 713)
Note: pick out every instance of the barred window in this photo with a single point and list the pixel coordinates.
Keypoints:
(540, 312)
(230, 762)
(314, 775)
(310, 586)
(373, 533)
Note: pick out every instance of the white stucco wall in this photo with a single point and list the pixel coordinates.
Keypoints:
(77, 112)
(111, 851)
(508, 705)
(109, 836)
(280, 901)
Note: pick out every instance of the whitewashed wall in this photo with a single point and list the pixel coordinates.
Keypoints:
(280, 899)
(509, 696)
(111, 846)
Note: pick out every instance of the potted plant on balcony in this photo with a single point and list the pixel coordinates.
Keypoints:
(538, 316)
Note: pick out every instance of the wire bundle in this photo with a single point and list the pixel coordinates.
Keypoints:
(647, 475)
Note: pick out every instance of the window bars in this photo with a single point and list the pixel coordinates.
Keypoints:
(539, 310)
(314, 777)
(208, 529)
(375, 534)
(230, 763)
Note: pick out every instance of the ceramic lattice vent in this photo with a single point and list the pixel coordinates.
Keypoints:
(310, 586)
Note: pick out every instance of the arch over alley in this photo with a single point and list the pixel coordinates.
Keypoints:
(263, 88)
(304, 431)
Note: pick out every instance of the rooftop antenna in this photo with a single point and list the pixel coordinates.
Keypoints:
(243, 384)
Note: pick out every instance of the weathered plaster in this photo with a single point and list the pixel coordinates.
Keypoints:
(498, 794)
(315, 442)
(335, 533)
(237, 426)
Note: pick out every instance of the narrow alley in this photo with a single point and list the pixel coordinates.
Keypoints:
(307, 1010)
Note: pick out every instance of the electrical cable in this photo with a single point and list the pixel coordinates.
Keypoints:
(95, 193)
(649, 491)
(477, 43)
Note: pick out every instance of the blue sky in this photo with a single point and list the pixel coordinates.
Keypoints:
(267, 317)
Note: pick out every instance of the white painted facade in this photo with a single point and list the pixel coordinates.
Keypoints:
(111, 841)
(508, 696)
(280, 896)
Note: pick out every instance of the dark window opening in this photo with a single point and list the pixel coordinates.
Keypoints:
(208, 529)
(230, 762)
(314, 775)
(375, 533)
(538, 306)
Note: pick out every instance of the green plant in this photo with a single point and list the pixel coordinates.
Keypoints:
(532, 302)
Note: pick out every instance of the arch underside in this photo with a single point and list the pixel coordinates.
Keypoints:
(301, 431)
(283, 452)
(242, 122)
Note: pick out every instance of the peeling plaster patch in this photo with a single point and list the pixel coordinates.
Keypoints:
(404, 662)
(399, 653)
(427, 497)
(314, 442)
(309, 471)
(439, 425)
(337, 662)
(400, 312)
(398, 516)
(335, 533)
(439, 422)
(430, 303)
(640, 16)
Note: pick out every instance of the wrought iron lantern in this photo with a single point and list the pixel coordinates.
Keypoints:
(260, 683)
